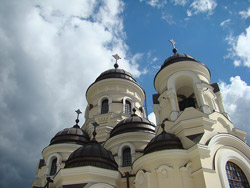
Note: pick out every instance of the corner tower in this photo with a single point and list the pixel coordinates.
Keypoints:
(187, 102)
(111, 98)
(197, 143)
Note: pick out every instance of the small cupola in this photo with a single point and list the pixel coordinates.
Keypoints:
(134, 123)
(92, 154)
(114, 73)
(179, 58)
(71, 135)
(163, 141)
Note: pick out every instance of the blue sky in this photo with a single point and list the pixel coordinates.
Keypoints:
(52, 50)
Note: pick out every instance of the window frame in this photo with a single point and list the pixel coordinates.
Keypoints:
(50, 160)
(128, 107)
(105, 106)
(100, 103)
(53, 167)
(120, 153)
(224, 155)
(235, 175)
(126, 157)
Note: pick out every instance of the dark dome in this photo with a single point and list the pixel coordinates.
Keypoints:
(133, 124)
(115, 73)
(179, 57)
(92, 154)
(70, 135)
(163, 141)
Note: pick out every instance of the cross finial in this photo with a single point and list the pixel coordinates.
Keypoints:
(173, 44)
(94, 132)
(117, 57)
(78, 113)
(77, 118)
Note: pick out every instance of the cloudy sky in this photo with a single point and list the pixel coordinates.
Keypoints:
(52, 50)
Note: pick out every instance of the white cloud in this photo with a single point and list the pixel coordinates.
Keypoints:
(237, 63)
(151, 117)
(134, 63)
(51, 51)
(180, 2)
(222, 24)
(202, 6)
(189, 13)
(229, 11)
(245, 14)
(236, 99)
(240, 48)
(155, 59)
(155, 3)
(168, 18)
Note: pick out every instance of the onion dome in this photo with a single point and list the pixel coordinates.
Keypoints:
(176, 57)
(163, 141)
(71, 135)
(92, 154)
(115, 73)
(134, 123)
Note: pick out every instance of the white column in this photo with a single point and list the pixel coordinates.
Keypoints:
(221, 106)
(203, 106)
(213, 103)
(163, 106)
(173, 101)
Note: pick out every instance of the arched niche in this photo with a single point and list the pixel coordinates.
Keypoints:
(183, 84)
(49, 162)
(100, 103)
(121, 149)
(142, 179)
(128, 105)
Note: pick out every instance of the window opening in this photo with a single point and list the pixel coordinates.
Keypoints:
(127, 107)
(53, 167)
(105, 106)
(236, 177)
(186, 102)
(126, 157)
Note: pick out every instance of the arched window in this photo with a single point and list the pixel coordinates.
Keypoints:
(105, 106)
(236, 177)
(53, 167)
(126, 157)
(127, 107)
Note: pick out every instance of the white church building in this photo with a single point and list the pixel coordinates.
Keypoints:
(193, 144)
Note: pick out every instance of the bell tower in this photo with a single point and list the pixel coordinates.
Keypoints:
(189, 105)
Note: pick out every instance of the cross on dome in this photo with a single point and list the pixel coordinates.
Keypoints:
(117, 57)
(78, 112)
(77, 118)
(173, 44)
(94, 132)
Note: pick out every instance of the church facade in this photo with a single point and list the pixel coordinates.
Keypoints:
(193, 144)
